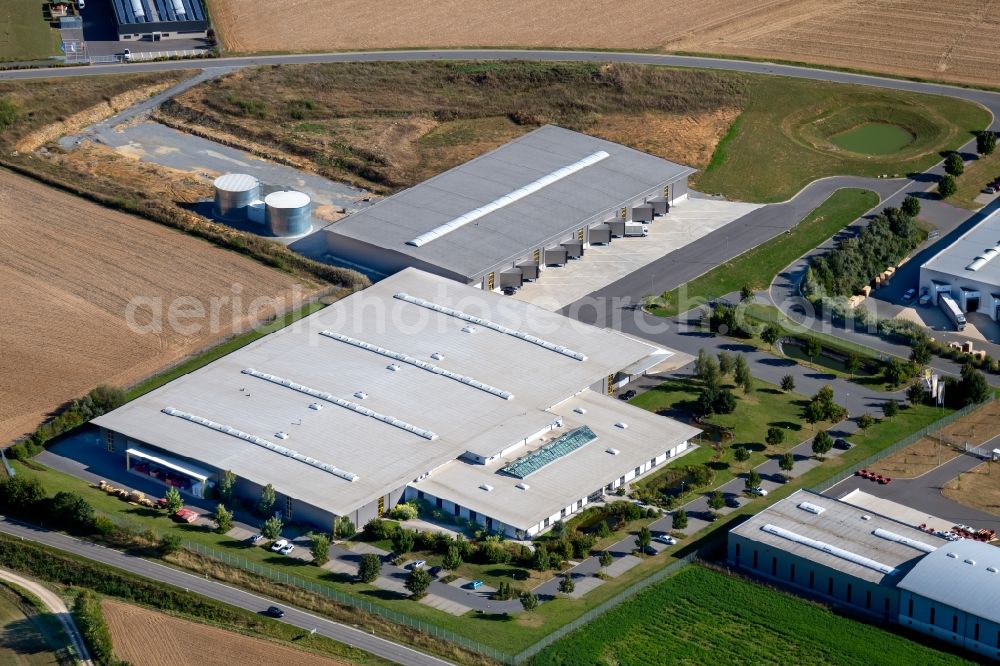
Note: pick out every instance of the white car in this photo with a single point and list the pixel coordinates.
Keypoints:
(418, 564)
(287, 550)
(757, 491)
(665, 538)
(910, 293)
(279, 544)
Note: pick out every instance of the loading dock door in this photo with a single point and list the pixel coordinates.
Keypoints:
(555, 256)
(574, 249)
(643, 213)
(511, 277)
(617, 228)
(659, 205)
(529, 270)
(971, 298)
(600, 234)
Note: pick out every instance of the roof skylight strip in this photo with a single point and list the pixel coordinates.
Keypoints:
(831, 550)
(554, 450)
(263, 443)
(340, 402)
(508, 199)
(499, 328)
(906, 541)
(423, 365)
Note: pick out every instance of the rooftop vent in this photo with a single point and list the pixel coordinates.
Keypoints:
(580, 410)
(487, 487)
(613, 451)
(992, 569)
(621, 424)
(281, 435)
(906, 541)
(522, 486)
(953, 556)
(866, 517)
(970, 562)
(812, 508)
(315, 406)
(559, 422)
(468, 329)
(393, 367)
(360, 395)
(437, 356)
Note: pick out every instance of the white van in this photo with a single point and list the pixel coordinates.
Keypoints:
(636, 229)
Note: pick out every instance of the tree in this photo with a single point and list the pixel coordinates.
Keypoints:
(895, 372)
(699, 363)
(605, 559)
(169, 543)
(227, 486)
(890, 408)
(452, 559)
(986, 142)
(716, 501)
(20, 494)
(320, 549)
(268, 498)
(946, 187)
(174, 501)
(775, 436)
(853, 363)
(917, 393)
(823, 406)
(540, 560)
(752, 480)
(740, 369)
(954, 165)
(603, 531)
(822, 443)
(725, 402)
(770, 335)
(71, 512)
(403, 540)
(643, 538)
(529, 601)
(223, 519)
(788, 383)
(271, 528)
(370, 567)
(726, 363)
(746, 293)
(741, 454)
(343, 528)
(786, 462)
(566, 585)
(680, 520)
(911, 205)
(972, 387)
(813, 412)
(417, 582)
(921, 353)
(866, 421)
(813, 348)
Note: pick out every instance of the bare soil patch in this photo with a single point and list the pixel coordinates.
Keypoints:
(71, 268)
(919, 458)
(978, 488)
(957, 41)
(147, 638)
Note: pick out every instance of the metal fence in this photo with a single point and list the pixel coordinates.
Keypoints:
(141, 56)
(901, 444)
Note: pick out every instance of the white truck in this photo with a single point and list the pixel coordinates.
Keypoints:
(951, 309)
(636, 229)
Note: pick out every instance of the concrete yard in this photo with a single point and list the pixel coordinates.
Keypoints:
(601, 265)
(446, 605)
(621, 565)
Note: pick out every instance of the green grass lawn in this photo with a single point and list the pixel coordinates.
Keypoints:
(24, 33)
(701, 616)
(766, 407)
(873, 139)
(757, 267)
(975, 177)
(781, 141)
(24, 639)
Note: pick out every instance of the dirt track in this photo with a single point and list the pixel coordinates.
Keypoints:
(147, 638)
(959, 41)
(69, 270)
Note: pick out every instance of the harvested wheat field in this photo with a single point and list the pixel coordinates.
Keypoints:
(957, 41)
(70, 270)
(146, 638)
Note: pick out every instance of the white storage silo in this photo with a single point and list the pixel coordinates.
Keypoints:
(288, 213)
(233, 193)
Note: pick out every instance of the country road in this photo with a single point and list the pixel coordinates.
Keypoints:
(220, 592)
(57, 607)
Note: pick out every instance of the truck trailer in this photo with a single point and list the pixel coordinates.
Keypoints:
(952, 311)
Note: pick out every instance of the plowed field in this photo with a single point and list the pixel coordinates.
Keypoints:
(146, 638)
(958, 41)
(70, 269)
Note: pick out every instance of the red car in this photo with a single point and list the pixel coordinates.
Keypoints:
(884, 480)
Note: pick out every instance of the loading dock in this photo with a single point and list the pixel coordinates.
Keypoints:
(617, 228)
(511, 278)
(574, 248)
(555, 256)
(643, 213)
(602, 234)
(529, 270)
(660, 205)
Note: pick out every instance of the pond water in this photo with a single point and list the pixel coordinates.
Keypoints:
(873, 139)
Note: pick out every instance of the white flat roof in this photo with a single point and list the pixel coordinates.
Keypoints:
(568, 478)
(974, 256)
(364, 406)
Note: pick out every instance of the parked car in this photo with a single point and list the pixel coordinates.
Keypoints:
(279, 544)
(757, 491)
(255, 539)
(990, 189)
(925, 297)
(127, 55)
(274, 611)
(665, 538)
(933, 234)
(435, 571)
(909, 294)
(732, 502)
(509, 291)
(418, 564)
(842, 444)
(287, 550)
(474, 584)
(628, 395)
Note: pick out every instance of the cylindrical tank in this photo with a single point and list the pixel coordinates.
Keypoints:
(233, 192)
(288, 213)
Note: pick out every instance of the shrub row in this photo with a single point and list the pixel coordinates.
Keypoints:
(90, 620)
(99, 401)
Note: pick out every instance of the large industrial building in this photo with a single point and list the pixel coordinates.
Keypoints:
(160, 19)
(968, 270)
(417, 387)
(502, 217)
(877, 567)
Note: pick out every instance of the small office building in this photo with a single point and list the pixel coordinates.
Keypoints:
(503, 217)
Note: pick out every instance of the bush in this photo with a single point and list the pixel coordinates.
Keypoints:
(223, 519)
(403, 540)
(320, 549)
(9, 114)
(343, 528)
(93, 628)
(954, 165)
(369, 568)
(566, 585)
(404, 511)
(911, 205)
(169, 544)
(380, 529)
(453, 559)
(680, 520)
(529, 601)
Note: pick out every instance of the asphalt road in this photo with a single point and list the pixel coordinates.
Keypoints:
(230, 595)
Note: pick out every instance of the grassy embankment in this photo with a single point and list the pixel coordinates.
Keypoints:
(757, 267)
(975, 177)
(701, 616)
(782, 140)
(29, 634)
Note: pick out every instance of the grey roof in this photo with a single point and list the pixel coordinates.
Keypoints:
(449, 391)
(506, 234)
(845, 528)
(957, 257)
(954, 581)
